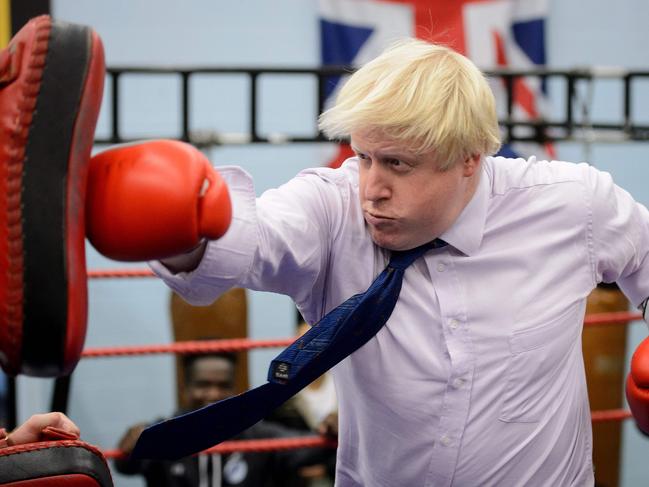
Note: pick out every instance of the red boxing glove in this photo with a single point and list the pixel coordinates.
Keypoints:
(154, 199)
(637, 386)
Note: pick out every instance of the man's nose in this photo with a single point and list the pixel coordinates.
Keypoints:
(376, 183)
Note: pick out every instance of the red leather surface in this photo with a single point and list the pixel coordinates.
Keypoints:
(84, 131)
(25, 82)
(18, 92)
(637, 386)
(54, 463)
(638, 399)
(147, 201)
(640, 364)
(69, 480)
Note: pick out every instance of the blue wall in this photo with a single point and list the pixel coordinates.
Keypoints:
(110, 394)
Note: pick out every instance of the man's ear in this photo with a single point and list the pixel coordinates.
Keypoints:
(471, 164)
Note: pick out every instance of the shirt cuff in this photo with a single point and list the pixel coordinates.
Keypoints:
(227, 260)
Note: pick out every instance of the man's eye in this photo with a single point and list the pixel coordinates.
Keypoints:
(361, 156)
(397, 164)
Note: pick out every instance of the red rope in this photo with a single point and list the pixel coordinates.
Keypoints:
(119, 273)
(261, 445)
(609, 415)
(189, 347)
(274, 444)
(619, 317)
(613, 318)
(239, 344)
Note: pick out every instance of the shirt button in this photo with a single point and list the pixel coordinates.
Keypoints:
(453, 324)
(457, 383)
(441, 267)
(445, 440)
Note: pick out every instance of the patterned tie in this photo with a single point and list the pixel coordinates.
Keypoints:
(337, 335)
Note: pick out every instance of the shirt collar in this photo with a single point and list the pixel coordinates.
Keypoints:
(467, 231)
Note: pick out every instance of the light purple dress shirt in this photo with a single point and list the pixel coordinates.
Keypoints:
(477, 379)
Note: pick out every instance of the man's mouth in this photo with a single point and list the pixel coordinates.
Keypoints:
(377, 219)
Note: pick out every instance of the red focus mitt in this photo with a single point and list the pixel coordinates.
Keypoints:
(637, 386)
(51, 84)
(60, 459)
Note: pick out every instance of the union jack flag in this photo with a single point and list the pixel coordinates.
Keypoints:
(492, 33)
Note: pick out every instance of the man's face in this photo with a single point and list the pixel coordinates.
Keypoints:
(406, 200)
(211, 379)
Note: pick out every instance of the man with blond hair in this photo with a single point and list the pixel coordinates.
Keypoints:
(477, 378)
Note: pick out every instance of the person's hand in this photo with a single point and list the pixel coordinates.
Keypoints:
(329, 425)
(30, 431)
(128, 441)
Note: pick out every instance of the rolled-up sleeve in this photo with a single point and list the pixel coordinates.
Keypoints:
(620, 237)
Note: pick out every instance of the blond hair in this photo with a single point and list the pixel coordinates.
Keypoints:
(425, 95)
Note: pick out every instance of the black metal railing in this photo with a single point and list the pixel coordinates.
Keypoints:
(564, 127)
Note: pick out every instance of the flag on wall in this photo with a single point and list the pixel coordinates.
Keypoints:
(492, 33)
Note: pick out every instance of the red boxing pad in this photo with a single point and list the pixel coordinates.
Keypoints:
(68, 463)
(637, 386)
(51, 85)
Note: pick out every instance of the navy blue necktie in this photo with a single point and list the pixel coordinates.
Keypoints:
(337, 335)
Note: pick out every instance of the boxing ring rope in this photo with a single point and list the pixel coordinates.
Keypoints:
(119, 273)
(188, 347)
(276, 444)
(261, 445)
(617, 317)
(241, 344)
